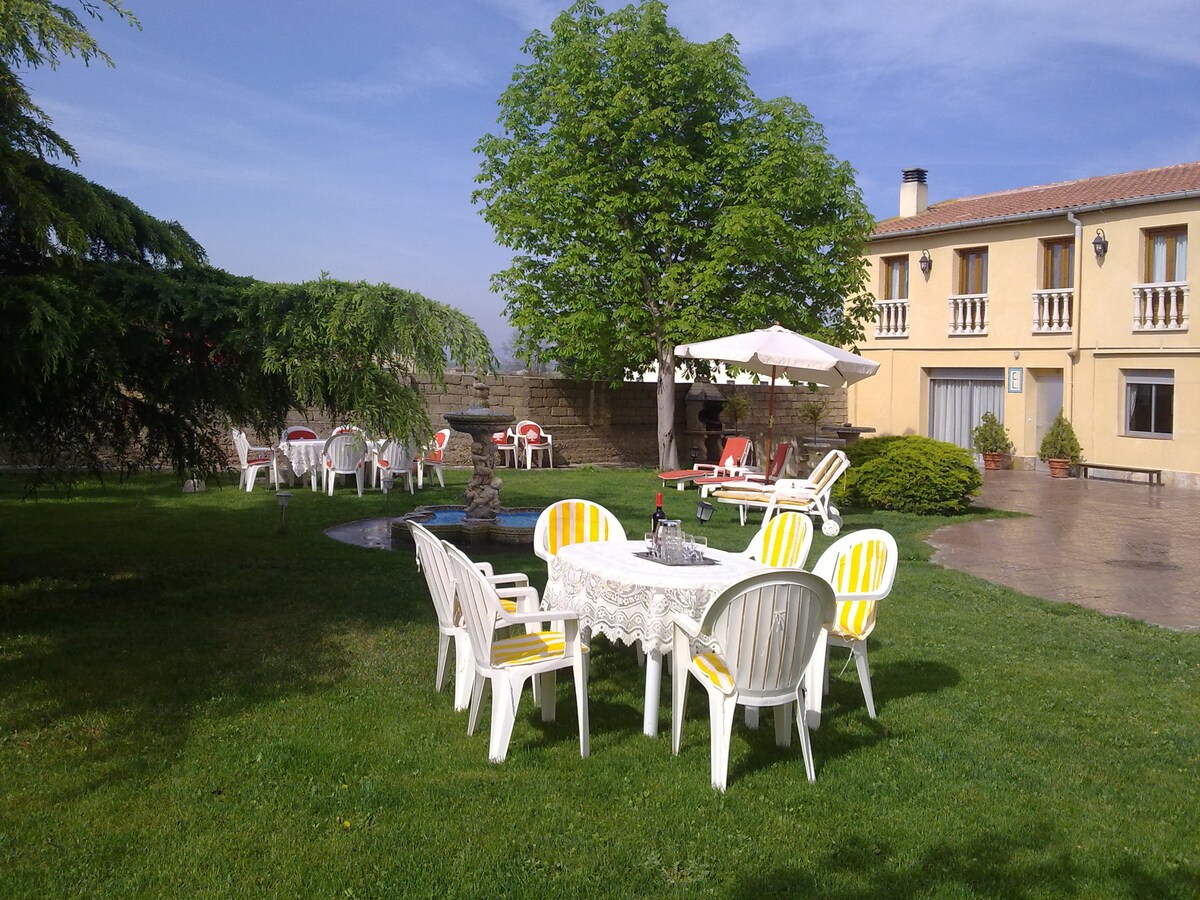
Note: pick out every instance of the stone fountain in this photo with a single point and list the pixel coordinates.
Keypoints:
(482, 520)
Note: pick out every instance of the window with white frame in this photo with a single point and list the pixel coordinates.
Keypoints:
(1166, 255)
(1150, 402)
(895, 278)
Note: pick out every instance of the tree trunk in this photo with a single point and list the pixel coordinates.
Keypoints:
(668, 455)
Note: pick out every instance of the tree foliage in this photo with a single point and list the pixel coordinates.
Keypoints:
(121, 348)
(651, 199)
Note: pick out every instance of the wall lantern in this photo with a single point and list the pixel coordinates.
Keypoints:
(926, 263)
(1100, 244)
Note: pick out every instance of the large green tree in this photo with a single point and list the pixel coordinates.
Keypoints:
(119, 345)
(651, 199)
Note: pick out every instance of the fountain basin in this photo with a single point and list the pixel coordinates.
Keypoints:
(450, 523)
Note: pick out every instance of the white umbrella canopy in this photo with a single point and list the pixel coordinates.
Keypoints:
(778, 352)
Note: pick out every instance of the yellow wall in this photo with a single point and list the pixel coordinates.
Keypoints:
(896, 400)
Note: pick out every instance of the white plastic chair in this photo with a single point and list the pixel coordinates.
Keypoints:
(393, 456)
(573, 521)
(751, 646)
(251, 459)
(345, 454)
(782, 542)
(297, 433)
(433, 563)
(509, 662)
(535, 440)
(507, 446)
(432, 457)
(861, 568)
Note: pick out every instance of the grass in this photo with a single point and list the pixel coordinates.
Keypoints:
(192, 704)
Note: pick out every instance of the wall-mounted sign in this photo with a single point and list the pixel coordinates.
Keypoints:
(1016, 379)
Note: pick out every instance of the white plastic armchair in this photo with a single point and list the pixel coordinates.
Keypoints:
(507, 446)
(571, 522)
(509, 662)
(345, 454)
(861, 568)
(434, 564)
(751, 647)
(535, 440)
(393, 456)
(782, 542)
(432, 458)
(251, 459)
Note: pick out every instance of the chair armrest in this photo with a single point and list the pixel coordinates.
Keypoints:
(686, 624)
(526, 597)
(553, 615)
(517, 579)
(485, 568)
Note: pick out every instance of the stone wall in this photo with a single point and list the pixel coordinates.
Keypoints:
(593, 423)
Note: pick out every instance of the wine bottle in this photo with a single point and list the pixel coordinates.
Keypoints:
(658, 516)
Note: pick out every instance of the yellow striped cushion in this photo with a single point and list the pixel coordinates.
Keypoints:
(509, 605)
(571, 523)
(528, 648)
(854, 618)
(713, 667)
(861, 570)
(781, 543)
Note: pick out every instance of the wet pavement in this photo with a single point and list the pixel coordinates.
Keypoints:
(1121, 548)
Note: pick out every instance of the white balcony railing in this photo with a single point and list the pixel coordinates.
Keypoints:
(968, 314)
(1160, 307)
(1052, 311)
(891, 320)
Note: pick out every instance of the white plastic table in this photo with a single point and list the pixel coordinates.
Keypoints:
(627, 598)
(304, 455)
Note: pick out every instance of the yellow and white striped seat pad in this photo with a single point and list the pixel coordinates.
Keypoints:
(782, 542)
(571, 523)
(510, 606)
(854, 618)
(712, 666)
(749, 496)
(529, 648)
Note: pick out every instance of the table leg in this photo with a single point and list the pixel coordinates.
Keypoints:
(653, 688)
(814, 681)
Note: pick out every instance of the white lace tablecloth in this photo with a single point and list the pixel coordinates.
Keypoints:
(627, 598)
(304, 456)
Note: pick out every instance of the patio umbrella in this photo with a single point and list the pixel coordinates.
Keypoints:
(779, 352)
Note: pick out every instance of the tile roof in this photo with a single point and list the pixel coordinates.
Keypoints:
(1146, 185)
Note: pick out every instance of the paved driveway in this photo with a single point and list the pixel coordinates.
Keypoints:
(1124, 549)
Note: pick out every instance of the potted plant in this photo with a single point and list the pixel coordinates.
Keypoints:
(990, 440)
(1060, 448)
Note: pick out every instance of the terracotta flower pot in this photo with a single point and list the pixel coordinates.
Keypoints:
(1059, 468)
(992, 460)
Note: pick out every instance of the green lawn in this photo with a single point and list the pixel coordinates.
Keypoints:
(192, 705)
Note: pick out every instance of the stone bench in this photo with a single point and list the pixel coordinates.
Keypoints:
(1153, 476)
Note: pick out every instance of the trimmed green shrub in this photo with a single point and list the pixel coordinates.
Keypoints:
(915, 475)
(869, 448)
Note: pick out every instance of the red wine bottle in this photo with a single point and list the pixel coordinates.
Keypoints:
(658, 516)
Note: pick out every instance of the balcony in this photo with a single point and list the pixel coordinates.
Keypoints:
(1160, 307)
(891, 319)
(1052, 311)
(968, 315)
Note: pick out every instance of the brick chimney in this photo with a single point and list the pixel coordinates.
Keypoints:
(914, 192)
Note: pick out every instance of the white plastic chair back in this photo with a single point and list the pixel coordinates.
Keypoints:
(861, 567)
(345, 454)
(242, 444)
(396, 457)
(573, 521)
(765, 627)
(432, 561)
(298, 433)
(783, 542)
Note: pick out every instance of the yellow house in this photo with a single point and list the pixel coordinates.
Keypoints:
(1071, 295)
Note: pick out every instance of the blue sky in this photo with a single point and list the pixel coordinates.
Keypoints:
(295, 137)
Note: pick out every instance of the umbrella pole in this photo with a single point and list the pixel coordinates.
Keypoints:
(770, 419)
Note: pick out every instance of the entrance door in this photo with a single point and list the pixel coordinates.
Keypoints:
(958, 398)
(1049, 388)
